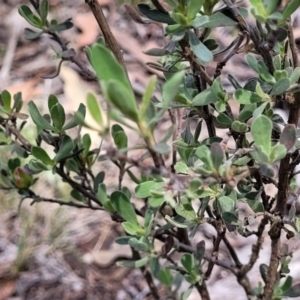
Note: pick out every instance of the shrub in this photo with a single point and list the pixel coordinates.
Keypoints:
(209, 178)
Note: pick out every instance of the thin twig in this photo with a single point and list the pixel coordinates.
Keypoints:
(285, 170)
(238, 41)
(109, 37)
(159, 7)
(232, 252)
(174, 136)
(147, 275)
(215, 252)
(222, 263)
(61, 202)
(202, 289)
(255, 248)
(293, 46)
(92, 76)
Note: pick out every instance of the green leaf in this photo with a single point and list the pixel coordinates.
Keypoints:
(156, 201)
(218, 89)
(226, 203)
(270, 6)
(278, 152)
(146, 100)
(58, 116)
(217, 155)
(148, 222)
(22, 179)
(6, 100)
(288, 136)
(252, 62)
(177, 31)
(260, 109)
(123, 206)
(137, 245)
(186, 210)
(205, 97)
(77, 195)
(155, 266)
(221, 124)
(188, 262)
(123, 99)
(182, 99)
(264, 73)
(234, 82)
(252, 84)
(220, 106)
(18, 102)
(207, 192)
(280, 87)
(256, 206)
(175, 223)
(204, 55)
(37, 118)
(133, 228)
(215, 20)
(230, 217)
(261, 130)
(181, 168)
(44, 9)
(171, 87)
(242, 161)
(144, 189)
(246, 97)
(155, 15)
(186, 293)
(263, 269)
(52, 100)
(161, 148)
(30, 34)
(62, 26)
(239, 126)
(193, 7)
(295, 75)
(246, 112)
(37, 166)
(107, 67)
(258, 10)
(280, 74)
(293, 292)
(94, 108)
(122, 240)
(204, 154)
(14, 163)
(287, 284)
(133, 264)
(65, 148)
(266, 169)
(277, 62)
(178, 34)
(41, 154)
(86, 143)
(119, 136)
(157, 52)
(28, 15)
(4, 140)
(289, 9)
(75, 121)
(103, 198)
(179, 18)
(165, 277)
